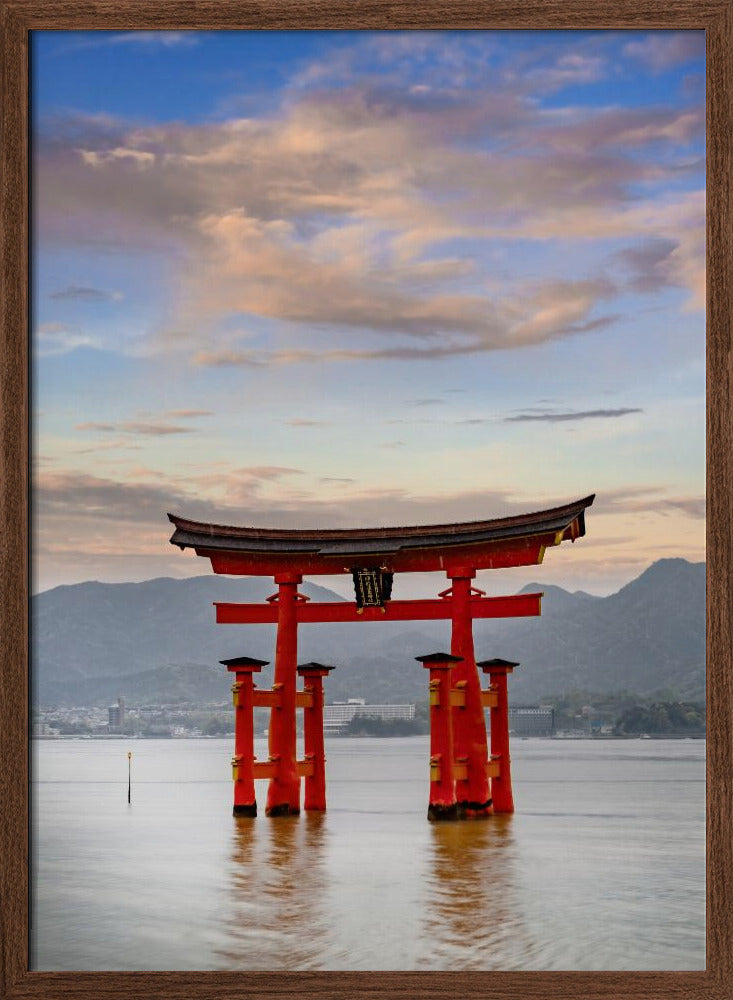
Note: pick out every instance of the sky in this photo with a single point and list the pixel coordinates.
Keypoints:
(336, 279)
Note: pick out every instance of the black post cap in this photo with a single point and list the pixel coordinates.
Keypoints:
(439, 658)
(496, 662)
(314, 666)
(243, 661)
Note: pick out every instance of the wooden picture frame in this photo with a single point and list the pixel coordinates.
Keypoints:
(19, 17)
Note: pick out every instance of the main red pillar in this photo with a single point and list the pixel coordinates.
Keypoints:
(442, 803)
(314, 798)
(283, 793)
(244, 667)
(473, 794)
(501, 786)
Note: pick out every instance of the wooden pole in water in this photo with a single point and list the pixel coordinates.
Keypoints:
(129, 777)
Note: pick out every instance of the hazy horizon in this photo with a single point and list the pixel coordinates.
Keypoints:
(343, 586)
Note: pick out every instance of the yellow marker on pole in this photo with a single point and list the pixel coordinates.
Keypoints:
(129, 776)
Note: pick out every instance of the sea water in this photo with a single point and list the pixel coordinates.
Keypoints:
(601, 867)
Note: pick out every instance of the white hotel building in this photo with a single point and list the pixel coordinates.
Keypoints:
(337, 716)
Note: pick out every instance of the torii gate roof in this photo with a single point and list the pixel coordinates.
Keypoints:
(504, 541)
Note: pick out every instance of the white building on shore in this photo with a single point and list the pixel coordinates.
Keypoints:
(338, 715)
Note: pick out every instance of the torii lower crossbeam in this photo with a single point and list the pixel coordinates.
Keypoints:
(515, 606)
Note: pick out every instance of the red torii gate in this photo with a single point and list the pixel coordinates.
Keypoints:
(462, 772)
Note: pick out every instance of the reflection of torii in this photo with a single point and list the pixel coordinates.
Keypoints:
(471, 906)
(277, 886)
(459, 550)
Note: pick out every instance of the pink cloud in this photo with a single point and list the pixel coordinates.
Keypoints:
(334, 210)
(665, 49)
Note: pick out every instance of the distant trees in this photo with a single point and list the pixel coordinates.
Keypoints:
(577, 710)
(67, 728)
(663, 717)
(626, 713)
(371, 725)
(217, 725)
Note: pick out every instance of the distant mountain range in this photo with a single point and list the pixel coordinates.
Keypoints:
(157, 641)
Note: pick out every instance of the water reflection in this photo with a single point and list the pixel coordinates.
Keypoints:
(603, 865)
(472, 913)
(278, 882)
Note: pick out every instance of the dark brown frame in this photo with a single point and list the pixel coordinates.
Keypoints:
(20, 16)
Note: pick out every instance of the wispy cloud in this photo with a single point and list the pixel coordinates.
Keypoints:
(649, 500)
(148, 424)
(83, 293)
(552, 417)
(663, 50)
(189, 414)
(136, 39)
(54, 339)
(252, 495)
(267, 472)
(551, 311)
(106, 446)
(99, 428)
(136, 427)
(154, 429)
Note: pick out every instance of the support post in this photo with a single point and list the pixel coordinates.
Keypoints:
(473, 795)
(501, 785)
(283, 793)
(314, 797)
(442, 804)
(244, 667)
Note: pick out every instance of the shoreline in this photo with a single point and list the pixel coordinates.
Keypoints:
(556, 738)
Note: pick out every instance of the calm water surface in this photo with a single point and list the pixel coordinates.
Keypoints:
(601, 867)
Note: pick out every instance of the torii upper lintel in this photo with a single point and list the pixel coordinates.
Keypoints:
(519, 540)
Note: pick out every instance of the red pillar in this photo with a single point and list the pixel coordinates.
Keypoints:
(501, 786)
(283, 793)
(244, 667)
(442, 803)
(473, 794)
(314, 799)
